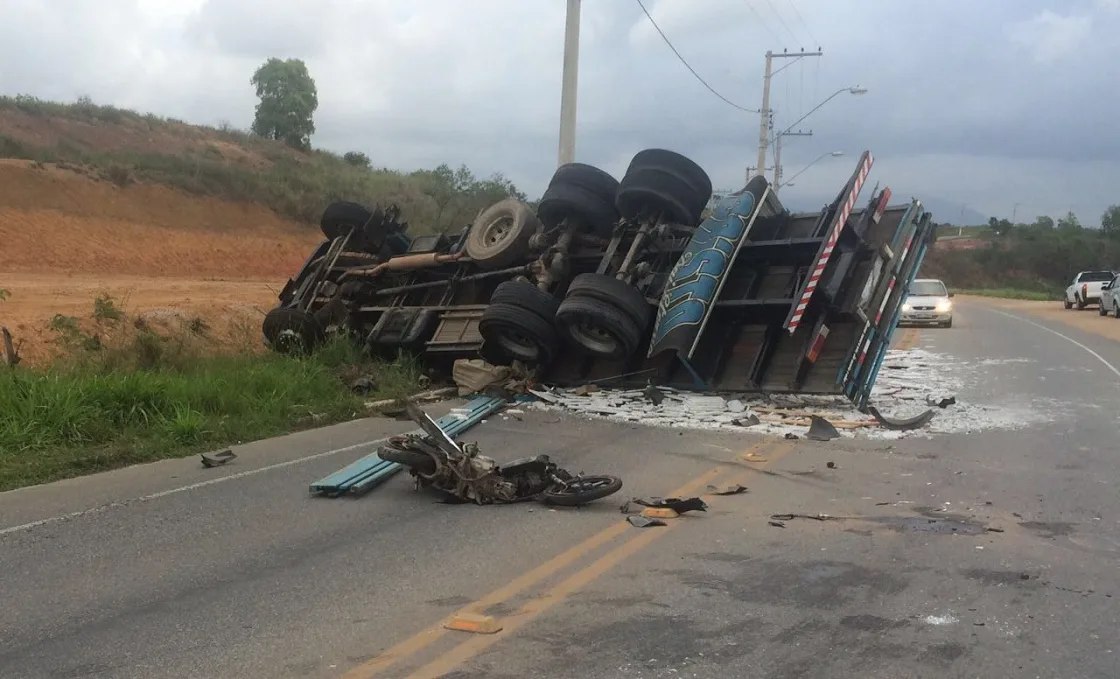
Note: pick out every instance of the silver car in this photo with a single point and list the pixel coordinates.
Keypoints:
(928, 302)
(1110, 297)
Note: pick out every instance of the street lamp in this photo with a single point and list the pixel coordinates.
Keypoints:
(857, 90)
(833, 154)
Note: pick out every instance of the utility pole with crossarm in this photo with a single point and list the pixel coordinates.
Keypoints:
(764, 112)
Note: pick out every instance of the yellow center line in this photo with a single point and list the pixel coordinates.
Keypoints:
(425, 638)
(460, 654)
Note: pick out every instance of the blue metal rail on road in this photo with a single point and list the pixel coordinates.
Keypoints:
(371, 470)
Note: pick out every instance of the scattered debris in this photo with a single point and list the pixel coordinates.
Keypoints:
(660, 513)
(791, 436)
(586, 390)
(436, 461)
(217, 459)
(655, 395)
(748, 421)
(908, 424)
(821, 429)
(939, 620)
(941, 403)
(814, 517)
(679, 505)
(831, 465)
(776, 524)
(473, 375)
(995, 530)
(733, 489)
(474, 623)
(639, 521)
(394, 406)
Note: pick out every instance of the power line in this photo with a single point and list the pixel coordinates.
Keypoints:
(781, 20)
(803, 22)
(689, 67)
(762, 21)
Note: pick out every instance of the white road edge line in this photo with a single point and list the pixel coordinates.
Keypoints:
(1067, 338)
(183, 489)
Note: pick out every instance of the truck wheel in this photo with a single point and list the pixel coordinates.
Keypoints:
(500, 234)
(599, 328)
(291, 331)
(519, 324)
(682, 166)
(613, 291)
(341, 216)
(667, 182)
(587, 177)
(1080, 304)
(569, 201)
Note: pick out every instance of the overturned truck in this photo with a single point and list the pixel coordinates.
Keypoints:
(634, 280)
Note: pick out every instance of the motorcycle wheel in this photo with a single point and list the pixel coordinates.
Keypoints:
(582, 491)
(413, 459)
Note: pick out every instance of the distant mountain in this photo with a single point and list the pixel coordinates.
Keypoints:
(944, 211)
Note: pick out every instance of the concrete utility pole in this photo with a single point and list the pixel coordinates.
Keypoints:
(569, 86)
(764, 112)
(778, 155)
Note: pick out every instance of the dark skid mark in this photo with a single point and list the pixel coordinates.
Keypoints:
(451, 601)
(1050, 529)
(994, 577)
(922, 524)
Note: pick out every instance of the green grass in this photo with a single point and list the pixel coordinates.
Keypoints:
(1012, 293)
(142, 397)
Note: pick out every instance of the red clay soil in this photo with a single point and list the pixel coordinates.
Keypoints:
(60, 221)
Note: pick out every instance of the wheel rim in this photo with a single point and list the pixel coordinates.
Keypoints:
(585, 485)
(593, 337)
(289, 341)
(497, 231)
(518, 344)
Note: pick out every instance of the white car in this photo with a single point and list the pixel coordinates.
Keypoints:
(1086, 288)
(927, 302)
(1110, 297)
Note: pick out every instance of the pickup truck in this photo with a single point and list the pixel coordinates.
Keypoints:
(1086, 288)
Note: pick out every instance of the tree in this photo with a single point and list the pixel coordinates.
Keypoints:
(1069, 222)
(1043, 222)
(357, 159)
(1001, 227)
(1110, 221)
(459, 195)
(288, 102)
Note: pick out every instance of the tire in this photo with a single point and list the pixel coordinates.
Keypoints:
(599, 328)
(661, 190)
(569, 201)
(588, 489)
(412, 459)
(613, 291)
(291, 331)
(1102, 310)
(1080, 305)
(947, 324)
(587, 177)
(500, 234)
(527, 296)
(519, 334)
(339, 217)
(1066, 303)
(682, 166)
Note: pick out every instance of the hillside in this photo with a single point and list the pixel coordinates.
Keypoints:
(154, 196)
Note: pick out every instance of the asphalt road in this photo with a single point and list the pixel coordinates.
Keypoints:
(169, 570)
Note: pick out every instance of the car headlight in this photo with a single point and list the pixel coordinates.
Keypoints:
(944, 306)
(907, 307)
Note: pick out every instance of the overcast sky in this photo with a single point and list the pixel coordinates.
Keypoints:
(984, 103)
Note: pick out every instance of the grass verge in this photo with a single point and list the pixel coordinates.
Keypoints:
(122, 393)
(1010, 293)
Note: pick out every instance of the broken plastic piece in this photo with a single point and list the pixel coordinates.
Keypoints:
(916, 422)
(733, 489)
(639, 521)
(941, 403)
(216, 459)
(474, 622)
(748, 421)
(660, 513)
(821, 429)
(677, 504)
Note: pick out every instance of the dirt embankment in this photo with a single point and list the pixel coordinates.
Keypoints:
(66, 238)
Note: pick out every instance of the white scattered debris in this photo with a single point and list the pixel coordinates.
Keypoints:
(908, 382)
(940, 620)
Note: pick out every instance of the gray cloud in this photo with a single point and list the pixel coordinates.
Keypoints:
(980, 104)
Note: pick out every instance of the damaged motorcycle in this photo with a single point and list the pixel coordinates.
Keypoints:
(436, 461)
